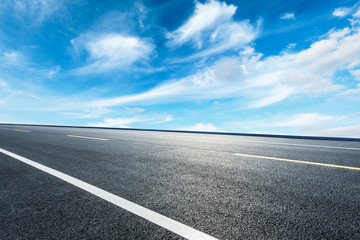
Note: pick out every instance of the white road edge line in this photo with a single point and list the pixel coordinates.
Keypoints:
(154, 217)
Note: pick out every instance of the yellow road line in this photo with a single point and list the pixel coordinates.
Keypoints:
(297, 161)
(19, 130)
(102, 139)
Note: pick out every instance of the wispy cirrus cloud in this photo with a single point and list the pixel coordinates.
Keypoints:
(32, 12)
(288, 16)
(127, 122)
(12, 58)
(8, 93)
(110, 51)
(88, 113)
(357, 13)
(134, 109)
(18, 62)
(213, 30)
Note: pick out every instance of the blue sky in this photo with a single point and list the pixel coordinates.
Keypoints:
(288, 67)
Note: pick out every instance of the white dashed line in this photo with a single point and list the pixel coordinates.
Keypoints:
(94, 138)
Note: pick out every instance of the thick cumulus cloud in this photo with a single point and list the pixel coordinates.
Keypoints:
(111, 51)
(213, 30)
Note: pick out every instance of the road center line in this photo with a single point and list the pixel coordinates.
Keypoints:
(154, 217)
(297, 161)
(101, 139)
(20, 130)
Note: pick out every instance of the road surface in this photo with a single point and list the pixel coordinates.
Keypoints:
(88, 183)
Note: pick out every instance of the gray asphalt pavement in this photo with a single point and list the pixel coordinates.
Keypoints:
(201, 180)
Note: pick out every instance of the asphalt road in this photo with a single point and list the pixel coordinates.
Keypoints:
(229, 187)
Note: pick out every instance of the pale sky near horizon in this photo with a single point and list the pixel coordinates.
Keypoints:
(287, 67)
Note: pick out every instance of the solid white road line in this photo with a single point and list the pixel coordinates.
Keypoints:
(161, 220)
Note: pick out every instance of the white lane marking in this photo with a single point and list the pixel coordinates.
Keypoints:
(297, 161)
(154, 217)
(249, 141)
(94, 138)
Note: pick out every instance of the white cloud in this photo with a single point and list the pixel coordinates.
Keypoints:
(111, 51)
(347, 131)
(276, 95)
(166, 119)
(88, 113)
(3, 84)
(291, 46)
(212, 28)
(134, 109)
(306, 122)
(353, 93)
(205, 17)
(125, 122)
(356, 73)
(204, 127)
(263, 81)
(340, 48)
(300, 124)
(53, 72)
(290, 15)
(193, 87)
(32, 12)
(260, 81)
(357, 14)
(13, 58)
(341, 12)
(8, 92)
(5, 92)
(116, 122)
